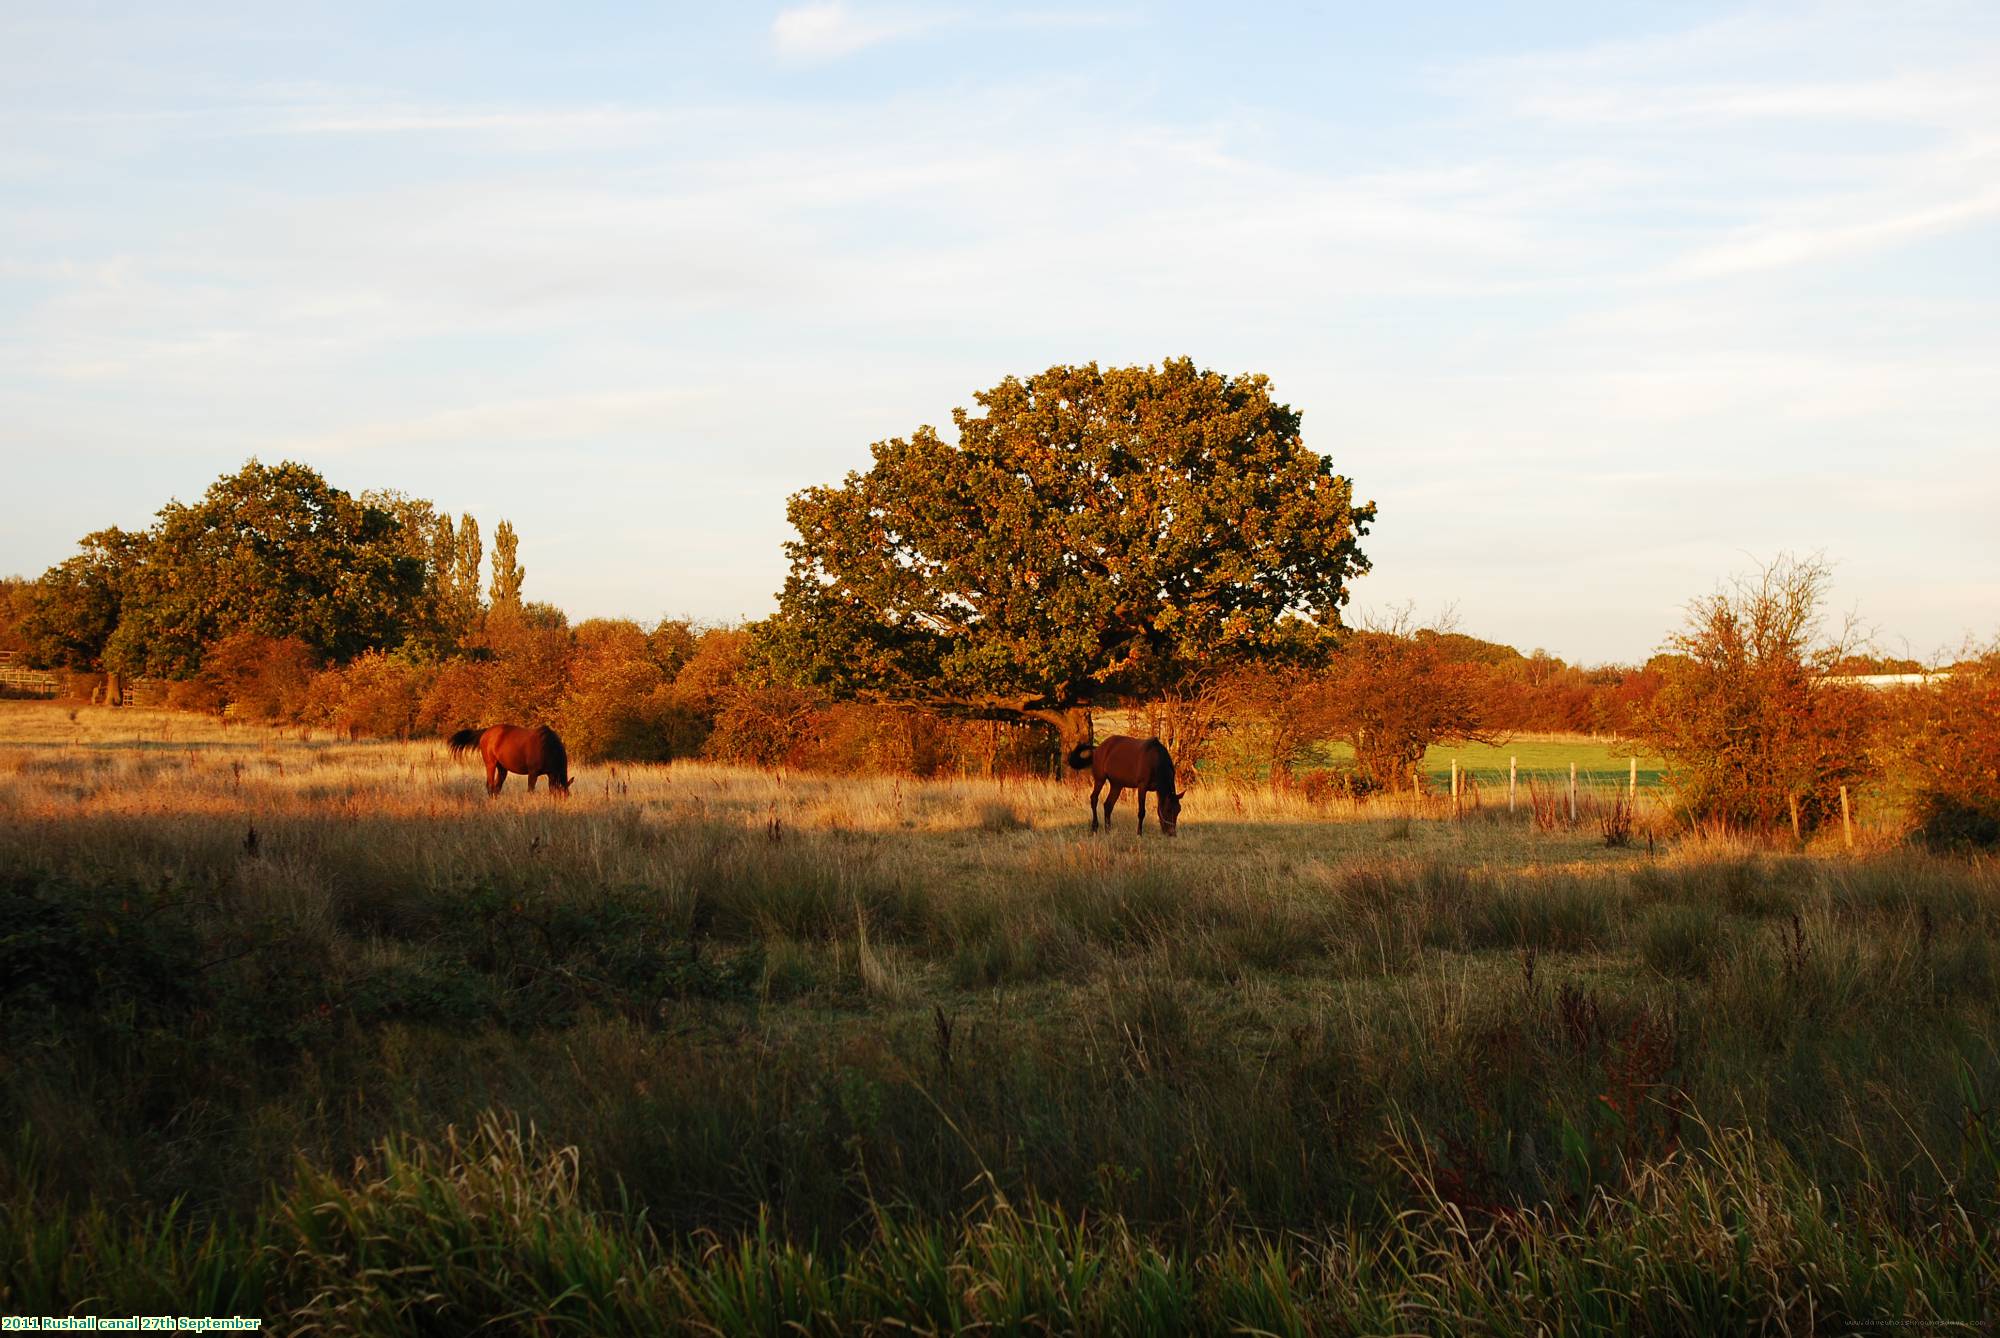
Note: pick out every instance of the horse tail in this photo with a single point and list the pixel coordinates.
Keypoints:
(464, 741)
(1079, 756)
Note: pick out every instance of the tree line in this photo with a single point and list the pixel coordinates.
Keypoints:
(1083, 539)
(274, 552)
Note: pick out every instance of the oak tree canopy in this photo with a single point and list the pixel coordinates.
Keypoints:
(1091, 533)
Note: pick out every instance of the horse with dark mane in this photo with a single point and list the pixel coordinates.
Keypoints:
(1142, 764)
(533, 753)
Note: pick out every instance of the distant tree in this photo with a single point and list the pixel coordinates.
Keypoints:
(450, 592)
(423, 535)
(1755, 730)
(1391, 695)
(1277, 712)
(441, 572)
(1459, 648)
(673, 642)
(270, 549)
(1089, 533)
(713, 668)
(468, 603)
(16, 598)
(530, 649)
(507, 571)
(73, 610)
(1861, 664)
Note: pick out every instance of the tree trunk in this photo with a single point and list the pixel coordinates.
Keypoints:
(114, 689)
(1072, 724)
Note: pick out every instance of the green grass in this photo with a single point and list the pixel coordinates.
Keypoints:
(725, 1049)
(491, 1229)
(1601, 764)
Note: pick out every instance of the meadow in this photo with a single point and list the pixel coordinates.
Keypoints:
(313, 1029)
(1543, 759)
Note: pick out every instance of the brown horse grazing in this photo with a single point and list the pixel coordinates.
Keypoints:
(525, 752)
(1142, 764)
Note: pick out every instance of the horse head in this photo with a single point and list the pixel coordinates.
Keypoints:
(1170, 811)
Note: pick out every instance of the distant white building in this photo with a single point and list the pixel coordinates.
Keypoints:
(1891, 680)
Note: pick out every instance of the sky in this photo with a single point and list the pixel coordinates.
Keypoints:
(1599, 303)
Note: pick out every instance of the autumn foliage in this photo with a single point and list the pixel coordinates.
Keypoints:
(1756, 728)
(1941, 747)
(1089, 534)
(1157, 540)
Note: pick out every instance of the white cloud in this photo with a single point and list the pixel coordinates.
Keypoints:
(829, 29)
(1773, 245)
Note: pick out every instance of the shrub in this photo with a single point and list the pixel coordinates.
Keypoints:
(259, 677)
(457, 699)
(379, 695)
(1940, 745)
(199, 694)
(605, 713)
(527, 670)
(857, 739)
(1754, 731)
(766, 724)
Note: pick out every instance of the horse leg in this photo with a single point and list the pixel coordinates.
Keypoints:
(1096, 791)
(1110, 801)
(496, 776)
(533, 776)
(1142, 811)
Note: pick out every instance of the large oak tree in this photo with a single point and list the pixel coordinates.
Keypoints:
(1090, 533)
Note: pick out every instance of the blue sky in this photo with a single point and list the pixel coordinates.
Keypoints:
(1599, 303)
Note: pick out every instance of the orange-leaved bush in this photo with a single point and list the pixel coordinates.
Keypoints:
(1940, 745)
(1755, 729)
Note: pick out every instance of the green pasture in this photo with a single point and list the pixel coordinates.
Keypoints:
(1599, 762)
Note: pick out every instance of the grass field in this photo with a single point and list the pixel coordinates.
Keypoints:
(1600, 763)
(316, 1031)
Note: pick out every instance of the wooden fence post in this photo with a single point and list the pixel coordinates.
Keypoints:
(1846, 819)
(1572, 794)
(1513, 764)
(1632, 787)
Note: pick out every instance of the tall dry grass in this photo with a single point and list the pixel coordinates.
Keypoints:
(910, 1020)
